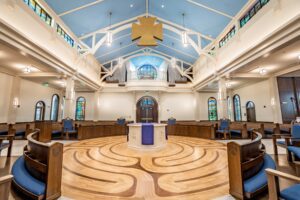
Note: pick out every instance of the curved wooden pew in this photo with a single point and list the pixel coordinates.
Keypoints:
(246, 165)
(5, 182)
(37, 174)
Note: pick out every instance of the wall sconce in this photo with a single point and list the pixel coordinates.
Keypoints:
(16, 102)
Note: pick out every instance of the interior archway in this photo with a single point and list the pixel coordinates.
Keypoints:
(146, 110)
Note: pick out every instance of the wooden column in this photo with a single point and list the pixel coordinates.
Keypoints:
(45, 128)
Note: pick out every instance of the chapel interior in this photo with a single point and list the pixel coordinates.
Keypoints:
(149, 99)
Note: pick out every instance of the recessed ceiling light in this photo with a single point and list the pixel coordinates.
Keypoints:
(162, 5)
(262, 71)
(131, 5)
(27, 70)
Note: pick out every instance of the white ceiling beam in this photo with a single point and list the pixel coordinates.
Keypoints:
(248, 75)
(210, 9)
(40, 74)
(80, 8)
(181, 52)
(113, 51)
(287, 70)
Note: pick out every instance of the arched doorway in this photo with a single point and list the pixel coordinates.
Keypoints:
(250, 108)
(146, 110)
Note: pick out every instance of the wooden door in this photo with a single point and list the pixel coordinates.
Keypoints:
(250, 109)
(288, 98)
(146, 110)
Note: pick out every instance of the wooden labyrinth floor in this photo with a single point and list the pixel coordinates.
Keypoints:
(105, 168)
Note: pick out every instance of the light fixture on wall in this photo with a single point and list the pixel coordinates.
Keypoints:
(184, 34)
(262, 71)
(27, 70)
(109, 33)
(228, 84)
(16, 102)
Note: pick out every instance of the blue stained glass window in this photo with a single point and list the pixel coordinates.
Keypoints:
(212, 109)
(33, 5)
(237, 108)
(147, 101)
(80, 108)
(147, 72)
(54, 107)
(39, 111)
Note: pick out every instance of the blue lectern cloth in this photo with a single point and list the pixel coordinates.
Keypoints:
(147, 134)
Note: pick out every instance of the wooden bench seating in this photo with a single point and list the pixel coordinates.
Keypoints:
(191, 129)
(56, 130)
(102, 129)
(290, 193)
(5, 182)
(238, 129)
(37, 174)
(22, 129)
(247, 164)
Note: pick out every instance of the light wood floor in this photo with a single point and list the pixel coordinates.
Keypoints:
(105, 168)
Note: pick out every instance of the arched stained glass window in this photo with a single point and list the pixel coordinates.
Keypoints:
(237, 108)
(147, 72)
(80, 108)
(212, 109)
(54, 107)
(39, 111)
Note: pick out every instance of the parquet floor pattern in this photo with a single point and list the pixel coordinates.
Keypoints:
(105, 168)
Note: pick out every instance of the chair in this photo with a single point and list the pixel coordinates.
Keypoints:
(292, 139)
(68, 127)
(290, 193)
(121, 121)
(171, 121)
(224, 128)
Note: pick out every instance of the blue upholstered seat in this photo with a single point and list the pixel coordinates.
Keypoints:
(224, 126)
(4, 145)
(171, 121)
(121, 121)
(20, 133)
(259, 180)
(68, 126)
(236, 132)
(280, 142)
(3, 132)
(23, 178)
(56, 133)
(295, 150)
(269, 131)
(291, 193)
(284, 130)
(250, 130)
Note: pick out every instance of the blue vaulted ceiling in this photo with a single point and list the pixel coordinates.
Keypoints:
(208, 17)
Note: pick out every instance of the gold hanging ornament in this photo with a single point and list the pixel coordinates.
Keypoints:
(147, 31)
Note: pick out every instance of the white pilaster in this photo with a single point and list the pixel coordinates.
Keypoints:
(222, 99)
(70, 107)
(275, 101)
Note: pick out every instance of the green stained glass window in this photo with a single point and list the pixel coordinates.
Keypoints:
(252, 11)
(237, 108)
(80, 108)
(212, 109)
(147, 72)
(37, 8)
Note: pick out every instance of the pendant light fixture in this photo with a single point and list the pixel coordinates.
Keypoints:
(109, 33)
(184, 35)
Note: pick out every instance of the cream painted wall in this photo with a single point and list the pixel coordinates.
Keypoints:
(30, 94)
(5, 89)
(181, 106)
(259, 93)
